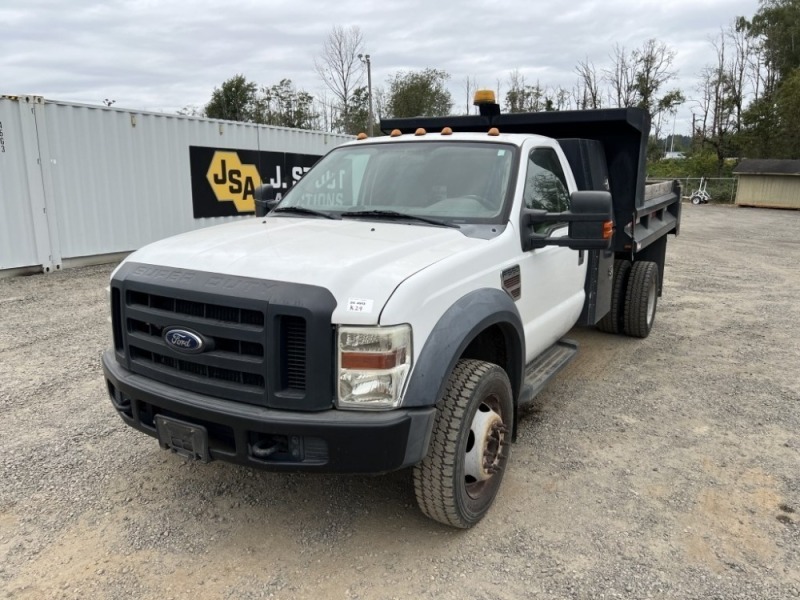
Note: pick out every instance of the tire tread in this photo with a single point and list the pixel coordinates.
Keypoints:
(613, 321)
(433, 483)
(644, 274)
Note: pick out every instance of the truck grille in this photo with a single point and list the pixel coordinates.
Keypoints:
(236, 367)
(228, 314)
(256, 335)
(293, 355)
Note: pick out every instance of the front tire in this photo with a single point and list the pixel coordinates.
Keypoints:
(458, 480)
(696, 200)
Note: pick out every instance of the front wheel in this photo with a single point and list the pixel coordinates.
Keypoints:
(696, 200)
(459, 479)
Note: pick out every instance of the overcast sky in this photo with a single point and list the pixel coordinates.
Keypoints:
(162, 54)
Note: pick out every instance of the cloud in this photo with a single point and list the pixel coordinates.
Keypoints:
(165, 54)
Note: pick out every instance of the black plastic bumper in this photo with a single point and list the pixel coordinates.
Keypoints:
(329, 440)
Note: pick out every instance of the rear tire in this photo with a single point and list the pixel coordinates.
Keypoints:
(641, 299)
(612, 322)
(471, 442)
(696, 200)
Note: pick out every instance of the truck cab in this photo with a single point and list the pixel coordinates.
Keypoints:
(399, 304)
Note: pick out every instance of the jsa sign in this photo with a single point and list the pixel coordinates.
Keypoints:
(224, 181)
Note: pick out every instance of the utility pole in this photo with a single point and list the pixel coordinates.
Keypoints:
(364, 58)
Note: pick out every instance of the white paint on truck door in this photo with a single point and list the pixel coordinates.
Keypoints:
(552, 277)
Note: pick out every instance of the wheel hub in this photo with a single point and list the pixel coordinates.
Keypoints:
(487, 436)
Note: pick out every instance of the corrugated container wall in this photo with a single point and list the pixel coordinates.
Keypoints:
(79, 180)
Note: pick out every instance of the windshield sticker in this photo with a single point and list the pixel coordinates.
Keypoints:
(359, 305)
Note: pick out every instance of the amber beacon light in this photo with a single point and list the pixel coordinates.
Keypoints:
(483, 97)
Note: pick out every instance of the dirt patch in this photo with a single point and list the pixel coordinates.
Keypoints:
(657, 468)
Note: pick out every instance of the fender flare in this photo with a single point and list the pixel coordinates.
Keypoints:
(451, 335)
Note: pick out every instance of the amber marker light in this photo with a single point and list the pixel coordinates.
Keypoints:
(373, 360)
(447, 131)
(420, 131)
(361, 136)
(396, 133)
(494, 131)
(608, 230)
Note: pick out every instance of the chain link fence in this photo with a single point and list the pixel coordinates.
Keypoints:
(721, 190)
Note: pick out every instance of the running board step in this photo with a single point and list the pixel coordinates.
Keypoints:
(546, 366)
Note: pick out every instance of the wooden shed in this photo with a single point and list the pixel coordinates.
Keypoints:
(771, 183)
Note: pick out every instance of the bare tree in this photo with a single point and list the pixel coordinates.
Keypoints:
(588, 93)
(718, 100)
(636, 78)
(339, 65)
(741, 42)
(622, 78)
(470, 86)
(379, 101)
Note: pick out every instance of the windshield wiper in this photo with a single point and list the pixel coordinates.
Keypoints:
(393, 214)
(302, 210)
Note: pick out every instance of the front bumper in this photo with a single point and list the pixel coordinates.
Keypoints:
(329, 440)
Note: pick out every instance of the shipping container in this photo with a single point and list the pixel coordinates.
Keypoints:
(80, 182)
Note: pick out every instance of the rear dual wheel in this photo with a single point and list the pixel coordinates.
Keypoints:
(458, 481)
(641, 299)
(613, 321)
(634, 298)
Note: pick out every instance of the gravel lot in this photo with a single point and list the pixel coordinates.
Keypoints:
(659, 468)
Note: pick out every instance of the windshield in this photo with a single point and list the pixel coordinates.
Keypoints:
(455, 182)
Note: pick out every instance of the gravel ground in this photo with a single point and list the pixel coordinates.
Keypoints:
(659, 468)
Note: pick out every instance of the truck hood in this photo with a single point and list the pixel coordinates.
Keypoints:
(360, 262)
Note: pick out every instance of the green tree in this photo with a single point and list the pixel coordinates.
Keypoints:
(235, 100)
(419, 93)
(760, 129)
(285, 106)
(771, 123)
(522, 97)
(788, 111)
(356, 119)
(777, 23)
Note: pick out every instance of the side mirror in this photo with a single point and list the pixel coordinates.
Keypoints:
(590, 219)
(598, 225)
(265, 199)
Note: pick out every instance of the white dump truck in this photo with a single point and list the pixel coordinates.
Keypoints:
(399, 304)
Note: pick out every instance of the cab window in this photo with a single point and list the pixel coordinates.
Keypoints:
(545, 184)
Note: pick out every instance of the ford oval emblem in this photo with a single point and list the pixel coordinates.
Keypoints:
(183, 340)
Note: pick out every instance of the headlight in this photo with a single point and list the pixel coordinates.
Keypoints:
(373, 365)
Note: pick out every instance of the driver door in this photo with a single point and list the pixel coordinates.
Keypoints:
(552, 277)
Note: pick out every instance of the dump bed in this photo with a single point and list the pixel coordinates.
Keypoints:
(641, 216)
